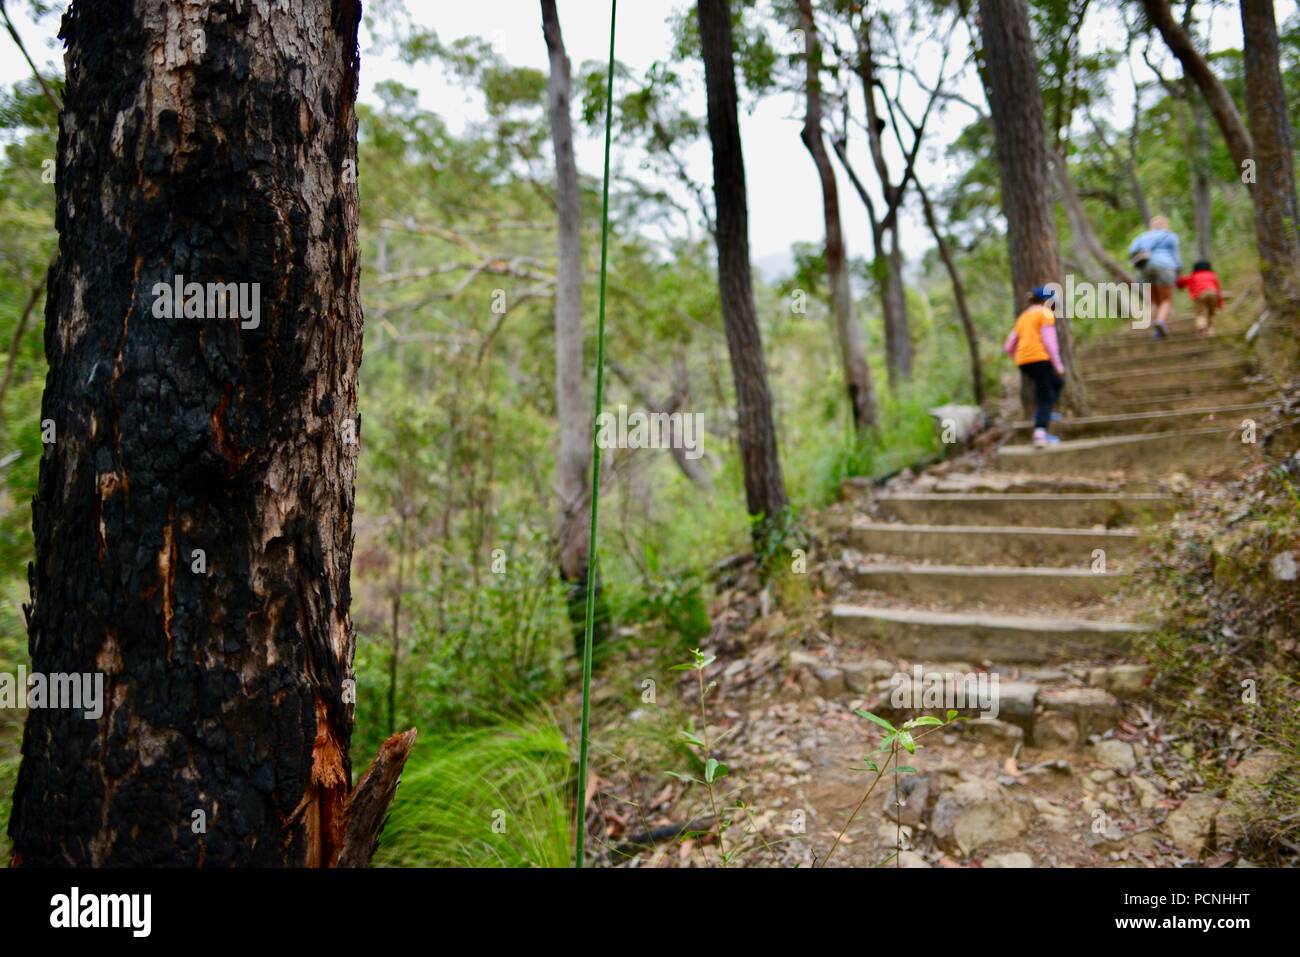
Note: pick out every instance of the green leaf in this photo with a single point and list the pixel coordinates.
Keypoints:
(951, 714)
(905, 739)
(925, 721)
(905, 769)
(871, 717)
(714, 769)
(682, 777)
(691, 738)
(688, 666)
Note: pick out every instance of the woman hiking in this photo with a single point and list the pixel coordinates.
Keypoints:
(1154, 255)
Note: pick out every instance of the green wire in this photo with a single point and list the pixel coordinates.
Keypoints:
(595, 465)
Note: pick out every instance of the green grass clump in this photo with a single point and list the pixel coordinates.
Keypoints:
(493, 797)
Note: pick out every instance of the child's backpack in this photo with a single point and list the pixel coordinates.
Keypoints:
(1140, 257)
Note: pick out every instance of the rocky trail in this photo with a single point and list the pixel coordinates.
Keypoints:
(1012, 562)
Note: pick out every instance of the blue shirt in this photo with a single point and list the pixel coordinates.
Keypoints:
(1162, 245)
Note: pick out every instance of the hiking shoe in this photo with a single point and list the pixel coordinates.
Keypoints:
(1043, 438)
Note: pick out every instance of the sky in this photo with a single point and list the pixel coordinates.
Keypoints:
(784, 192)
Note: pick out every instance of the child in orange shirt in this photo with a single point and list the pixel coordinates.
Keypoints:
(1036, 350)
(1207, 295)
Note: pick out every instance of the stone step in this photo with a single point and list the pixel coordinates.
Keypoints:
(1124, 355)
(1178, 399)
(1193, 452)
(1067, 510)
(1134, 423)
(934, 635)
(1178, 326)
(995, 544)
(994, 584)
(1138, 382)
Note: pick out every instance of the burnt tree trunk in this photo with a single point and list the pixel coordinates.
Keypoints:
(193, 522)
(1010, 76)
(765, 495)
(857, 373)
(572, 407)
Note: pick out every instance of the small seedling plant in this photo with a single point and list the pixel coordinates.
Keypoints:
(893, 742)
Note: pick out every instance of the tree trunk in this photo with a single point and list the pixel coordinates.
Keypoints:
(893, 301)
(1194, 65)
(193, 522)
(765, 495)
(1198, 150)
(958, 295)
(1010, 75)
(572, 408)
(1277, 213)
(1198, 161)
(1081, 226)
(857, 373)
(888, 265)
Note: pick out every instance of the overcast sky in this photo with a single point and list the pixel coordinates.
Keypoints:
(784, 195)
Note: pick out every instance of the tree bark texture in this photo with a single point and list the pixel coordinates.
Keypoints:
(1277, 213)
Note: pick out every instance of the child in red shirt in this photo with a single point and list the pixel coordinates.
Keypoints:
(1203, 286)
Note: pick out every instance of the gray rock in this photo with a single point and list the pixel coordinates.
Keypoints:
(973, 815)
(1111, 753)
(1127, 681)
(915, 793)
(1189, 826)
(831, 681)
(1014, 859)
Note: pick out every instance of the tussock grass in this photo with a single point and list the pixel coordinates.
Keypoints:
(492, 797)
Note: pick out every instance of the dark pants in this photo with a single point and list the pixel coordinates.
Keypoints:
(1047, 388)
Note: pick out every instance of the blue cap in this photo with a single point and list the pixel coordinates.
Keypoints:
(1045, 293)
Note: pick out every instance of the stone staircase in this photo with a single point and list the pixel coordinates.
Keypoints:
(1018, 566)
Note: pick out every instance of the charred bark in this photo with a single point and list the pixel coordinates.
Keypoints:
(193, 521)
(765, 496)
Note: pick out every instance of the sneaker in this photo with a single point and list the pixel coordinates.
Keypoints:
(1160, 332)
(1043, 438)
